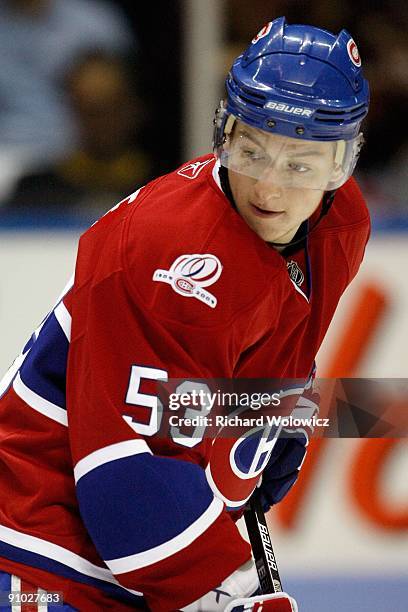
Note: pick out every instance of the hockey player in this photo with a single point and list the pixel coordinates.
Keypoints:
(231, 266)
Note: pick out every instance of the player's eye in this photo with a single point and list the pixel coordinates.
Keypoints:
(253, 155)
(298, 167)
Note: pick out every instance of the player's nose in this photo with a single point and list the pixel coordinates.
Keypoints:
(267, 187)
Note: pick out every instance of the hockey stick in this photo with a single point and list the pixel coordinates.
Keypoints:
(260, 539)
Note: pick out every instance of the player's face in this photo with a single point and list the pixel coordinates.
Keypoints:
(277, 198)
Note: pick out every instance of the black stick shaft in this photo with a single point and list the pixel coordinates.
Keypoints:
(261, 543)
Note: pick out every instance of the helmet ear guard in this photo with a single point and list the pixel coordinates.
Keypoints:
(220, 118)
(345, 160)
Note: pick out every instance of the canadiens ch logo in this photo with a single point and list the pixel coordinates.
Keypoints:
(295, 272)
(353, 53)
(189, 274)
(236, 465)
(262, 32)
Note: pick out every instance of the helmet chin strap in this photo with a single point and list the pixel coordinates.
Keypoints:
(327, 201)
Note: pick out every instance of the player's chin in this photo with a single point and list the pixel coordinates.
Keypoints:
(268, 229)
(270, 234)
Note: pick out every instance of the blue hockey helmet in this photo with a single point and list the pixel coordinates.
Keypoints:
(299, 82)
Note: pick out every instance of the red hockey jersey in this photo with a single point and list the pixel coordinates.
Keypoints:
(171, 283)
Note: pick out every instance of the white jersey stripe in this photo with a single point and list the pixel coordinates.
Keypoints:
(42, 607)
(291, 391)
(65, 290)
(216, 175)
(129, 199)
(300, 291)
(302, 405)
(58, 553)
(171, 547)
(109, 453)
(64, 319)
(15, 588)
(39, 404)
(133, 196)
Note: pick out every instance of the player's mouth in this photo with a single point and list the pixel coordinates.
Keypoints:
(266, 214)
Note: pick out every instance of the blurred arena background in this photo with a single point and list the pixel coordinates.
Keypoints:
(96, 98)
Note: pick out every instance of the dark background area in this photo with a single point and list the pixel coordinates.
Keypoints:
(155, 67)
(159, 64)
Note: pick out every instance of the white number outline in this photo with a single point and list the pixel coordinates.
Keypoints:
(135, 398)
(194, 438)
(147, 400)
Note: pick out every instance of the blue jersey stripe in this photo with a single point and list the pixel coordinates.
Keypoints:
(54, 567)
(137, 503)
(5, 588)
(44, 368)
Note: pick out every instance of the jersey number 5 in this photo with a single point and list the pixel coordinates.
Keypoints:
(153, 404)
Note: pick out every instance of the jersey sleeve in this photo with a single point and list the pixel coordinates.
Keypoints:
(347, 231)
(145, 502)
